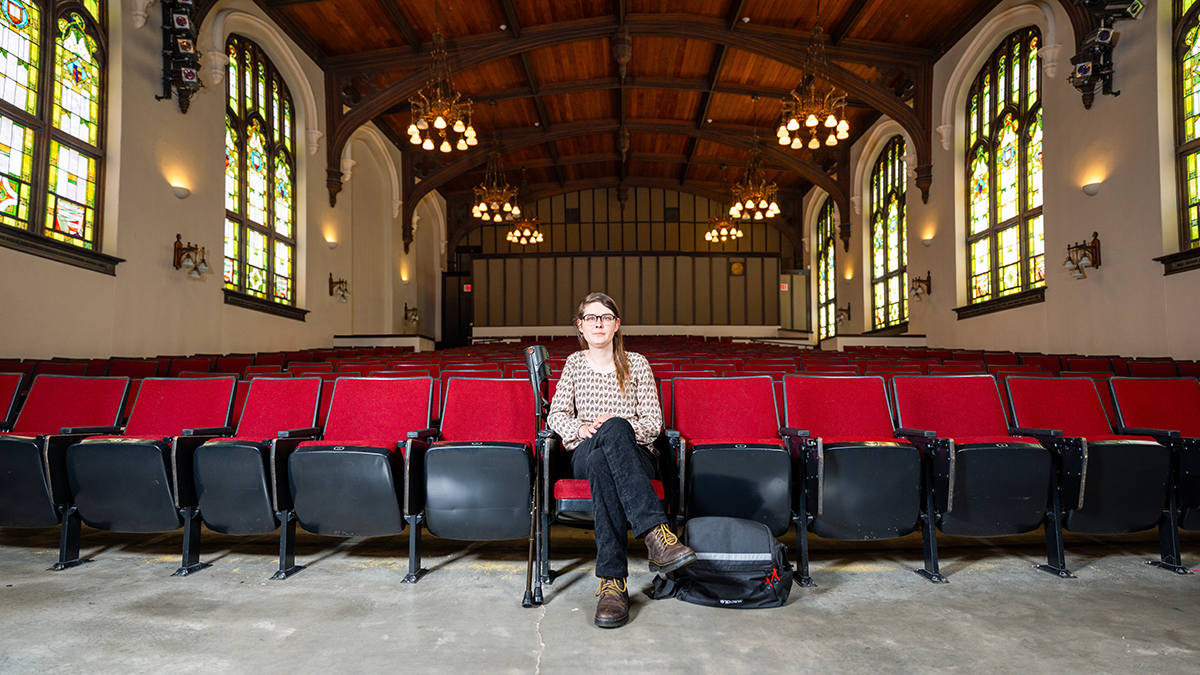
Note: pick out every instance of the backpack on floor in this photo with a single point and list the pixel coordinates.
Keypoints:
(739, 565)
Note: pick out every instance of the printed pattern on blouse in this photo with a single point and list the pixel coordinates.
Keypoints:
(583, 394)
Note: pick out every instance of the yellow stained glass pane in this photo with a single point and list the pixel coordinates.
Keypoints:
(283, 197)
(70, 207)
(1007, 170)
(20, 52)
(231, 76)
(233, 252)
(256, 263)
(232, 168)
(1037, 253)
(77, 83)
(1033, 151)
(256, 174)
(16, 172)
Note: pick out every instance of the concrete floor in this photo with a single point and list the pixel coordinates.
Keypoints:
(349, 613)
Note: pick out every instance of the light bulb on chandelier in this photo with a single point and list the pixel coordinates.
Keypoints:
(439, 106)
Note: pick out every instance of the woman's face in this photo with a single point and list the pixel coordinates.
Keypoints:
(598, 326)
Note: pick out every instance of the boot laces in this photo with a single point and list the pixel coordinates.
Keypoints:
(666, 535)
(611, 585)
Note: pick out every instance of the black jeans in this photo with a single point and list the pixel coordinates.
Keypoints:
(619, 472)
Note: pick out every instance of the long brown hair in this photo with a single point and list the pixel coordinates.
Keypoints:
(618, 344)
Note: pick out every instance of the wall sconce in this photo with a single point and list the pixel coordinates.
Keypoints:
(411, 314)
(1092, 189)
(1082, 255)
(190, 258)
(181, 192)
(339, 288)
(332, 243)
(921, 286)
(843, 314)
(927, 241)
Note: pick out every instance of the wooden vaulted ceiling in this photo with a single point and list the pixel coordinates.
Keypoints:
(548, 93)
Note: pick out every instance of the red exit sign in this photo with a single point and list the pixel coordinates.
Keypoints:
(466, 288)
(783, 287)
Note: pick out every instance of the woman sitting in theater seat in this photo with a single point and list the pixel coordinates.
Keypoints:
(606, 409)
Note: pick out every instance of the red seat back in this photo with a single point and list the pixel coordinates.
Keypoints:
(276, 404)
(326, 397)
(725, 408)
(1088, 364)
(260, 370)
(378, 408)
(1049, 364)
(953, 406)
(165, 407)
(967, 356)
(848, 369)
(201, 365)
(1169, 404)
(24, 368)
(133, 369)
(955, 368)
(1071, 404)
(1000, 359)
(837, 406)
(1139, 369)
(1105, 392)
(236, 365)
(57, 401)
(268, 360)
(60, 368)
(488, 409)
(1009, 368)
(306, 368)
(239, 402)
(10, 386)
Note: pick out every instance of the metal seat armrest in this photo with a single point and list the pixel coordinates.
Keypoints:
(310, 432)
(91, 431)
(6, 426)
(209, 431)
(280, 450)
(414, 475)
(183, 449)
(549, 434)
(915, 433)
(1156, 433)
(1036, 433)
(790, 431)
(430, 433)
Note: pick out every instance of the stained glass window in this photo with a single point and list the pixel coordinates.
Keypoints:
(1188, 148)
(48, 186)
(826, 272)
(1005, 248)
(260, 216)
(889, 254)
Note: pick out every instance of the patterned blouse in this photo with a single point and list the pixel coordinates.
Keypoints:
(583, 394)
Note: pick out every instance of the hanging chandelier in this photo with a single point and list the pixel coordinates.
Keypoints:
(753, 197)
(808, 110)
(437, 109)
(814, 115)
(494, 197)
(720, 230)
(523, 229)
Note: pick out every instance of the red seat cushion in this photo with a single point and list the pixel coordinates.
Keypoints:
(979, 440)
(732, 441)
(575, 488)
(860, 439)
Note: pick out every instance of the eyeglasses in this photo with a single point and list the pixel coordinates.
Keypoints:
(605, 319)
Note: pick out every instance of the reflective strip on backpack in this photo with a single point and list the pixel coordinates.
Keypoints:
(736, 557)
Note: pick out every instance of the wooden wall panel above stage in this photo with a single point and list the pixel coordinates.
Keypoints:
(650, 289)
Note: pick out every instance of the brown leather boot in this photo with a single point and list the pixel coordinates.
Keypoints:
(612, 610)
(666, 553)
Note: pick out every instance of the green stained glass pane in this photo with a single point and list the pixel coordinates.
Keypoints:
(282, 266)
(76, 81)
(981, 264)
(1015, 89)
(1184, 6)
(879, 291)
(1009, 258)
(232, 165)
(1007, 170)
(262, 89)
(70, 208)
(287, 125)
(827, 272)
(1037, 252)
(283, 197)
(1191, 86)
(980, 191)
(893, 236)
(988, 110)
(20, 49)
(233, 231)
(16, 165)
(256, 174)
(879, 249)
(1033, 174)
(256, 263)
(231, 77)
(1033, 71)
(894, 314)
(247, 81)
(275, 123)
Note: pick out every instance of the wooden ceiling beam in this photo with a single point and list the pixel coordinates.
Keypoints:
(602, 157)
(402, 24)
(848, 22)
(736, 13)
(292, 31)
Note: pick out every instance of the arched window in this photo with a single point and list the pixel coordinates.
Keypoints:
(52, 140)
(1188, 144)
(826, 272)
(260, 221)
(1005, 244)
(889, 252)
